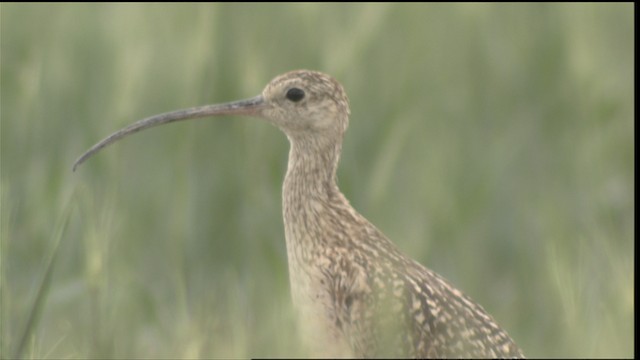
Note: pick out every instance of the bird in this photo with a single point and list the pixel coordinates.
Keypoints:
(356, 293)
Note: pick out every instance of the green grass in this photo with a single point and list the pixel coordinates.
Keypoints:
(493, 143)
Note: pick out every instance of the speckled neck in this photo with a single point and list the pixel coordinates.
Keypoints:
(311, 171)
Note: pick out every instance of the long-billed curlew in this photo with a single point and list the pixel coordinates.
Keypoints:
(356, 292)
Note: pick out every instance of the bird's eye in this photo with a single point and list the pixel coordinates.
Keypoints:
(295, 94)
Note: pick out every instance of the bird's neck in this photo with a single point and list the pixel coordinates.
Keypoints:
(311, 172)
(309, 194)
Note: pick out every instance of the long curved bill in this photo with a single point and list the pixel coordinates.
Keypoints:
(251, 106)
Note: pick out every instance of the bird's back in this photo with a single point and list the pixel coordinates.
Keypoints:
(411, 311)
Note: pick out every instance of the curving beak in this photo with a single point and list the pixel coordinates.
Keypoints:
(251, 106)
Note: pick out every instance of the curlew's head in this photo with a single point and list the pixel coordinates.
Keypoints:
(303, 104)
(306, 102)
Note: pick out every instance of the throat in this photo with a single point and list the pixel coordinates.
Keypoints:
(311, 172)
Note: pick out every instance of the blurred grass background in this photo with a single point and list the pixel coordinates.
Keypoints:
(493, 143)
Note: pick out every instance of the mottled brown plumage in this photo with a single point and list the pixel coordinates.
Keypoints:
(356, 292)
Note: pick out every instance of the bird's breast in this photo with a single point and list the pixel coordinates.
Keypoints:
(314, 301)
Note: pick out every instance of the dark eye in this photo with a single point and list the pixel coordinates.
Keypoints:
(295, 94)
